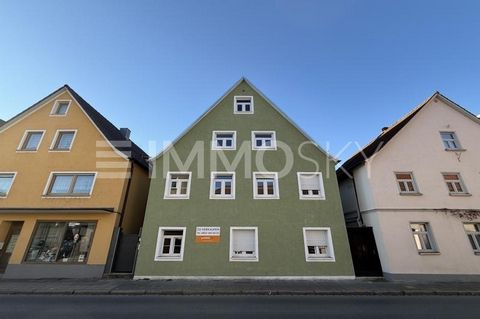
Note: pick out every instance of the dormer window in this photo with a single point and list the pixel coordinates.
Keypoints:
(243, 105)
(60, 108)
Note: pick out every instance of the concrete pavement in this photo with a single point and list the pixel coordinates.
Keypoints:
(235, 287)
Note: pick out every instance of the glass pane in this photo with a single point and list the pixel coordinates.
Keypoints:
(247, 107)
(450, 187)
(426, 241)
(418, 243)
(228, 188)
(45, 243)
(402, 186)
(5, 182)
(268, 143)
(258, 143)
(469, 227)
(83, 184)
(270, 188)
(64, 141)
(311, 249)
(33, 139)
(259, 188)
(183, 189)
(218, 188)
(178, 246)
(477, 238)
(410, 187)
(229, 143)
(76, 242)
(315, 192)
(459, 187)
(61, 184)
(61, 109)
(166, 245)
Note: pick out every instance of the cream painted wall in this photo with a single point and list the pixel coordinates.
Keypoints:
(399, 255)
(418, 148)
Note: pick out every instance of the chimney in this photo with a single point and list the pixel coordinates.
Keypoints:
(384, 128)
(125, 132)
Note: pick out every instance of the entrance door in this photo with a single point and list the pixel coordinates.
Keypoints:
(364, 252)
(9, 244)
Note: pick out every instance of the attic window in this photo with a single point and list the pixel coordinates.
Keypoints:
(60, 108)
(243, 105)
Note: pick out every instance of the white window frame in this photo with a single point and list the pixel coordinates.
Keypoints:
(57, 134)
(274, 141)
(454, 140)
(460, 181)
(473, 234)
(212, 186)
(275, 186)
(331, 251)
(405, 181)
(320, 196)
(167, 194)
(239, 97)
(11, 184)
(56, 105)
(24, 138)
(235, 258)
(50, 180)
(158, 249)
(429, 233)
(214, 141)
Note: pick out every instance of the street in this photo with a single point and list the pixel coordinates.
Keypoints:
(76, 306)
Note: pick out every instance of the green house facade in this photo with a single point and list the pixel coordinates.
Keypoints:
(244, 193)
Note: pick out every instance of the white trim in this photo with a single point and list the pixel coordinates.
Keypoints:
(271, 148)
(256, 244)
(414, 182)
(433, 243)
(262, 96)
(239, 97)
(331, 251)
(24, 137)
(320, 196)
(460, 179)
(234, 144)
(212, 186)
(157, 256)
(246, 277)
(54, 140)
(55, 107)
(50, 177)
(11, 184)
(276, 187)
(167, 195)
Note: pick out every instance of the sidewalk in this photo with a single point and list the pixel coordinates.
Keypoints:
(235, 287)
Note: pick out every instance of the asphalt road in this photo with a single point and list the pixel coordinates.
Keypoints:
(143, 307)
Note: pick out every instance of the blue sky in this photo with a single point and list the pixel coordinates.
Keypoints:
(341, 69)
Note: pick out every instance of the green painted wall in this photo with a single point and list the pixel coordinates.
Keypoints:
(279, 221)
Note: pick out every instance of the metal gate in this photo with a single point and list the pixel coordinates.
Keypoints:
(364, 252)
(125, 254)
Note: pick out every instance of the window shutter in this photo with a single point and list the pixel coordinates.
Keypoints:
(244, 239)
(310, 181)
(316, 238)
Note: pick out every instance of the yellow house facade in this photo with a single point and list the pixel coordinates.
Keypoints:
(71, 185)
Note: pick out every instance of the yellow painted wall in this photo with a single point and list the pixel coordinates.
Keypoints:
(100, 243)
(33, 170)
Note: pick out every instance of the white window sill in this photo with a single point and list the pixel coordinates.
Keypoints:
(224, 149)
(168, 258)
(312, 198)
(429, 253)
(269, 197)
(244, 259)
(455, 149)
(172, 197)
(220, 197)
(320, 259)
(477, 253)
(27, 151)
(460, 194)
(66, 196)
(410, 194)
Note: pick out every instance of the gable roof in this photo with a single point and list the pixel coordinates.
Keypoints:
(127, 148)
(389, 133)
(276, 108)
